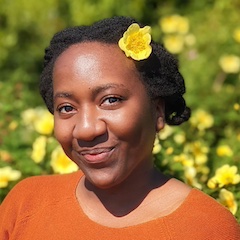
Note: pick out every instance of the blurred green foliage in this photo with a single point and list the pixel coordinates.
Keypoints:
(27, 26)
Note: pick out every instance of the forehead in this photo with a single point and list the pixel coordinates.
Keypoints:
(93, 63)
(89, 56)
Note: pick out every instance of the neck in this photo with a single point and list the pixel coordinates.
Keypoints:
(127, 196)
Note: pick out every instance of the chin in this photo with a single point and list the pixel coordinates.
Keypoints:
(102, 180)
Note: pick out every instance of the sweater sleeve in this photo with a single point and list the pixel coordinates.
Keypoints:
(202, 217)
(9, 210)
(18, 205)
(30, 196)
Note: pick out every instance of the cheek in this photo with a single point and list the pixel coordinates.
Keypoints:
(62, 132)
(133, 126)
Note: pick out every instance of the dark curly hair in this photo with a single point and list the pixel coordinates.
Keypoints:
(159, 72)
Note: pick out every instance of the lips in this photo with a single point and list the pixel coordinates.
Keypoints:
(97, 155)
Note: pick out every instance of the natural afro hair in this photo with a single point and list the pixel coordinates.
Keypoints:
(159, 72)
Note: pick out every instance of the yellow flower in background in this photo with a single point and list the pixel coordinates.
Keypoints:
(39, 149)
(179, 138)
(190, 39)
(224, 175)
(230, 63)
(183, 25)
(40, 119)
(228, 200)
(174, 24)
(157, 147)
(173, 43)
(7, 174)
(227, 175)
(13, 125)
(169, 150)
(165, 132)
(236, 107)
(61, 163)
(199, 151)
(136, 42)
(212, 183)
(29, 116)
(5, 156)
(238, 137)
(190, 173)
(201, 120)
(184, 159)
(204, 170)
(236, 34)
(44, 123)
(224, 151)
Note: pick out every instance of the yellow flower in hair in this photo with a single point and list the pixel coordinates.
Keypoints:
(136, 42)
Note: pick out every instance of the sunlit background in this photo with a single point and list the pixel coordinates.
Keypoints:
(203, 35)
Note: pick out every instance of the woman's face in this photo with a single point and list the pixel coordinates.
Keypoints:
(104, 118)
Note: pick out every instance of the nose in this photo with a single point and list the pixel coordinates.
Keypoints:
(89, 125)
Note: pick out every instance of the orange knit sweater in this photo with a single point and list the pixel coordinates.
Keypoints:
(45, 208)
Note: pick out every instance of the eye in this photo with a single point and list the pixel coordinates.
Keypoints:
(66, 109)
(112, 100)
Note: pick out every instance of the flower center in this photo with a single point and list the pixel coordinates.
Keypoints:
(136, 43)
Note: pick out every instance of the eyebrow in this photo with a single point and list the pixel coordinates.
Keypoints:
(102, 88)
(63, 95)
(95, 91)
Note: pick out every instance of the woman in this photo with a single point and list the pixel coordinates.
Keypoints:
(111, 89)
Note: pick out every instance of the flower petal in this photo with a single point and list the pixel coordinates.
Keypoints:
(136, 42)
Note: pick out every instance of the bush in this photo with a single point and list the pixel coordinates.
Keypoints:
(205, 152)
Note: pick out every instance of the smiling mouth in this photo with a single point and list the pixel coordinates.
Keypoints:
(96, 156)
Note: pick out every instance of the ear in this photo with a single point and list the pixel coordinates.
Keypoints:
(160, 114)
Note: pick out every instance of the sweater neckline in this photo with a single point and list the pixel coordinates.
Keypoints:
(182, 207)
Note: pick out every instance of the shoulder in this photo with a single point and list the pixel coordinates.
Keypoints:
(32, 195)
(207, 207)
(202, 202)
(39, 186)
(39, 190)
(206, 217)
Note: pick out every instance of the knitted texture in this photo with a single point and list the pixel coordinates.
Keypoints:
(46, 208)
